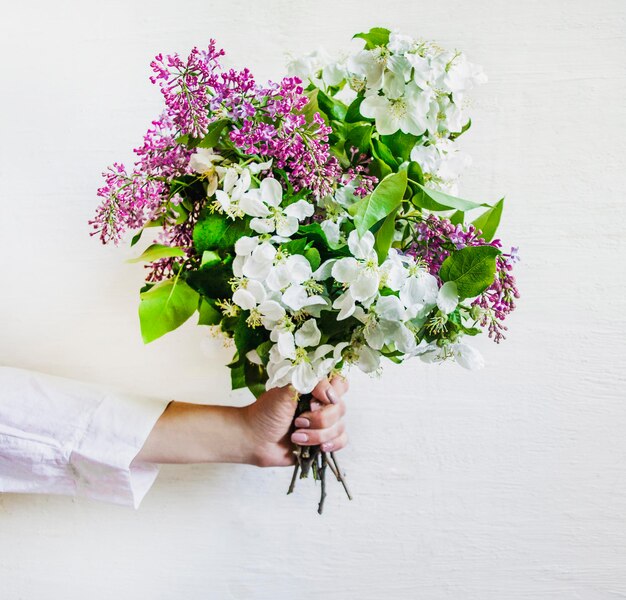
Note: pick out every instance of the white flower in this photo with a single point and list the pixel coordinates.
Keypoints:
(204, 161)
(468, 357)
(234, 185)
(383, 325)
(447, 297)
(458, 75)
(400, 44)
(449, 116)
(297, 359)
(381, 69)
(263, 204)
(408, 113)
(360, 273)
(464, 354)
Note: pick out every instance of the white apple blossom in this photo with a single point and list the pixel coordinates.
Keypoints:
(359, 273)
(298, 359)
(263, 203)
(409, 112)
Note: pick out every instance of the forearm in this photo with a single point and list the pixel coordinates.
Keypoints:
(196, 433)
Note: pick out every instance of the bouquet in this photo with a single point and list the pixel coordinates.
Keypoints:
(314, 221)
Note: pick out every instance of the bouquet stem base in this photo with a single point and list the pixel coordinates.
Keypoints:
(314, 459)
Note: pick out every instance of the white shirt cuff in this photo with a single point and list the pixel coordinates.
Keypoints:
(103, 459)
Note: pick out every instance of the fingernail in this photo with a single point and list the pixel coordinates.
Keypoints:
(302, 422)
(326, 446)
(331, 395)
(299, 437)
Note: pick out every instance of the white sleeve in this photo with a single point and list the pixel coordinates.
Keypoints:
(59, 436)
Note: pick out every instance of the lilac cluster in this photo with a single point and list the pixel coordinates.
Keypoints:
(130, 200)
(437, 237)
(358, 174)
(497, 302)
(187, 87)
(279, 130)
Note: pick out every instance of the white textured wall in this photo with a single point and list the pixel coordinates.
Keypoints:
(505, 484)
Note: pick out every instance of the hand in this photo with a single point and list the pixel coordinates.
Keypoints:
(269, 422)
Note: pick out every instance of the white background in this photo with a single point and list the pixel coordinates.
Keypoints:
(504, 484)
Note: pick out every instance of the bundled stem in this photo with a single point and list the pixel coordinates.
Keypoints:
(313, 458)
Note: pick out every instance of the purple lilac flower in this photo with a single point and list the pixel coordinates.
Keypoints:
(298, 147)
(435, 238)
(186, 87)
(130, 200)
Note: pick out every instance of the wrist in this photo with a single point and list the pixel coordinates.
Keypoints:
(228, 438)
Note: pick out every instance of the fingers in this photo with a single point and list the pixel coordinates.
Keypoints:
(322, 418)
(314, 437)
(330, 392)
(336, 444)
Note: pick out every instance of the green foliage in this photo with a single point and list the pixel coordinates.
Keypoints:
(384, 236)
(333, 109)
(386, 197)
(312, 106)
(165, 307)
(217, 232)
(157, 251)
(313, 256)
(209, 315)
(210, 258)
(377, 36)
(472, 269)
(360, 136)
(247, 338)
(400, 144)
(437, 201)
(353, 115)
(382, 152)
(212, 281)
(488, 222)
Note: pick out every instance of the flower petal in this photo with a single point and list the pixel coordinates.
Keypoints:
(308, 335)
(252, 205)
(271, 191)
(448, 297)
(300, 210)
(345, 270)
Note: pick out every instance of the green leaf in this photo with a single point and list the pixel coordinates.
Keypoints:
(472, 269)
(384, 236)
(313, 256)
(379, 168)
(457, 218)
(295, 246)
(217, 232)
(209, 315)
(255, 377)
(210, 258)
(247, 338)
(333, 108)
(165, 307)
(213, 134)
(156, 251)
(400, 144)
(360, 137)
(488, 222)
(212, 281)
(437, 201)
(237, 373)
(386, 197)
(377, 36)
(136, 238)
(381, 151)
(312, 106)
(353, 115)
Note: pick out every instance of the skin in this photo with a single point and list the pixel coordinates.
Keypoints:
(257, 434)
